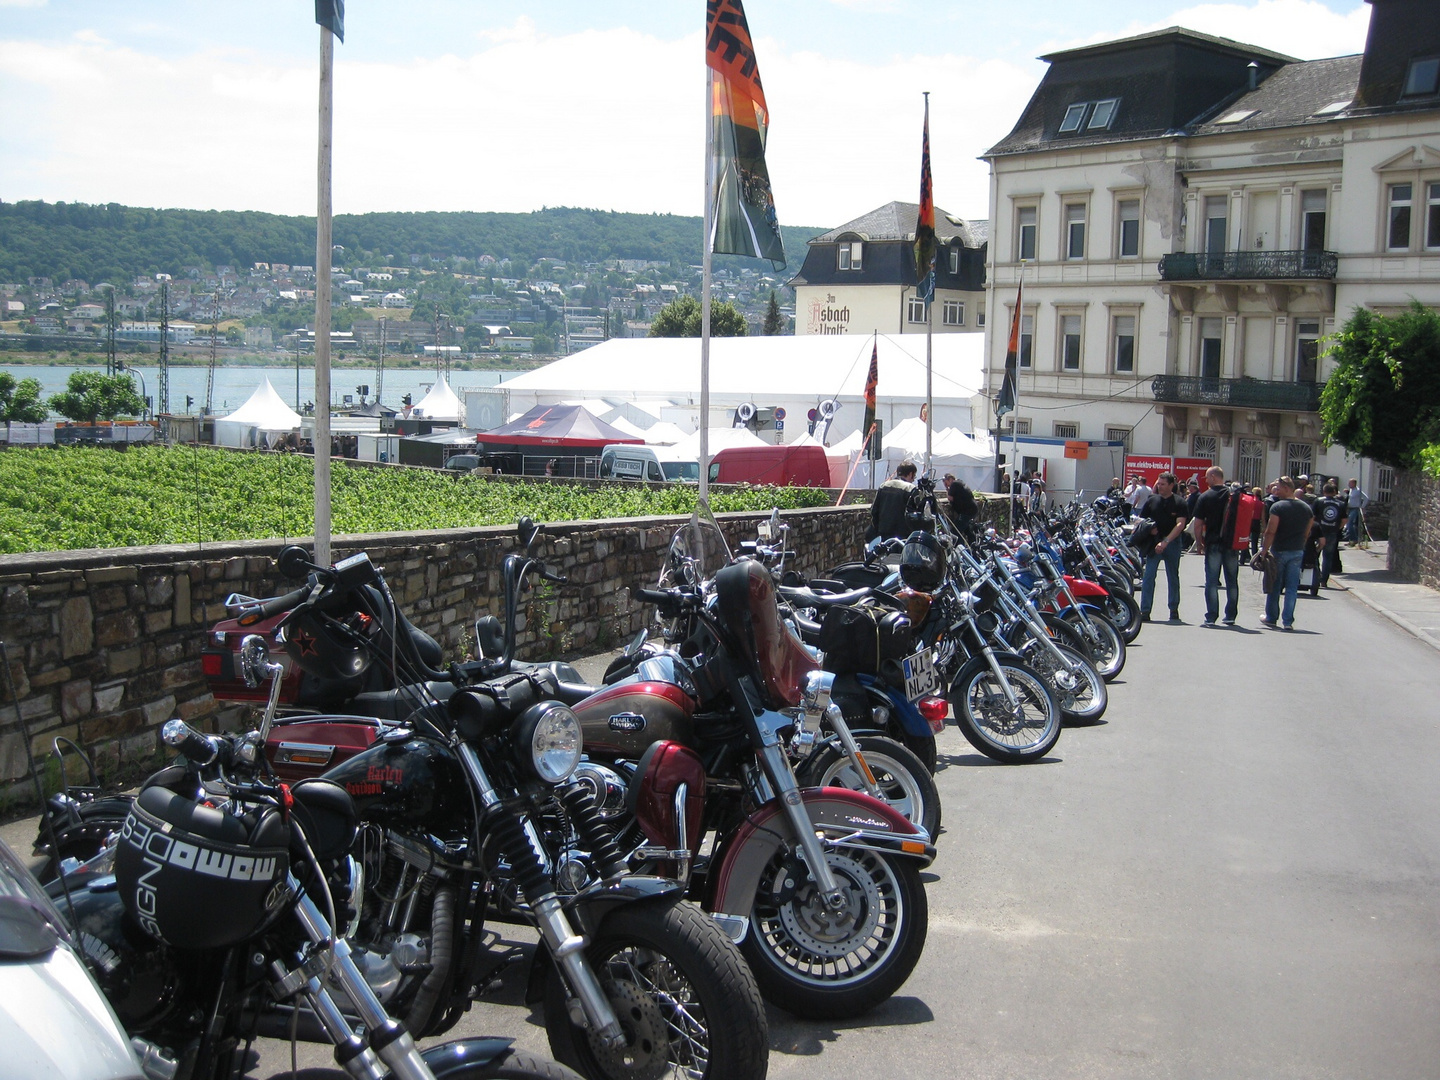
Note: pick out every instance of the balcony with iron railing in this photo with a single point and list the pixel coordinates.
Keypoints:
(1249, 265)
(1261, 394)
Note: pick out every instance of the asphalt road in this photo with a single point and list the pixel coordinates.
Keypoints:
(1233, 876)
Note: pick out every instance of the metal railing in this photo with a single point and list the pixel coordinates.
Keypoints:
(1238, 393)
(1248, 265)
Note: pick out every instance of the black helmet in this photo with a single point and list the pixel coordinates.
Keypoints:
(197, 877)
(922, 562)
(327, 647)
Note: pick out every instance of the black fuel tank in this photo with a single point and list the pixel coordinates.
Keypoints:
(417, 783)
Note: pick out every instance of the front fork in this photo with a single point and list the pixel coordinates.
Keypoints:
(526, 854)
(787, 789)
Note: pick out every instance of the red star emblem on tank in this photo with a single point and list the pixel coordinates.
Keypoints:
(306, 643)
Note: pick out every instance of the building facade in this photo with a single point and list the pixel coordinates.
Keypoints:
(860, 277)
(1192, 216)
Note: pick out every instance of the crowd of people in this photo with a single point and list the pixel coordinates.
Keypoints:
(1282, 530)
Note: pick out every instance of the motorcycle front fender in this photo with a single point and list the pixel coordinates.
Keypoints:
(1085, 587)
(458, 1058)
(1090, 609)
(837, 813)
(587, 910)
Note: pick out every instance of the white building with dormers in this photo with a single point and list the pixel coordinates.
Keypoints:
(1194, 215)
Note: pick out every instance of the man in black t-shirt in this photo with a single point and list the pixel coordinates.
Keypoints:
(1214, 539)
(1167, 510)
(1286, 531)
(1330, 517)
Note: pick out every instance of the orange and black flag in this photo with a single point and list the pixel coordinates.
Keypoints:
(871, 382)
(744, 220)
(1006, 402)
(925, 224)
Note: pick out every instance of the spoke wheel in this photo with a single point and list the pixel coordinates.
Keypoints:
(901, 776)
(1012, 734)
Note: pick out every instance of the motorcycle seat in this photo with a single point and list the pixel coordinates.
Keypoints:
(399, 703)
(810, 598)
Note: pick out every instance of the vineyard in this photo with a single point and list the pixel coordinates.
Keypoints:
(74, 497)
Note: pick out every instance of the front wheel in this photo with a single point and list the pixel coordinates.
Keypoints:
(1078, 688)
(822, 963)
(1124, 611)
(1013, 734)
(682, 992)
(901, 776)
(1107, 648)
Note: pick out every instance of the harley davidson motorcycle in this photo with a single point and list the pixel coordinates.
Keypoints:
(690, 760)
(211, 919)
(470, 807)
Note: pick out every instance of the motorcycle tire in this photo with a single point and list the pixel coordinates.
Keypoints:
(923, 747)
(797, 960)
(682, 991)
(1083, 703)
(1124, 611)
(1118, 582)
(904, 781)
(1063, 633)
(985, 719)
(1109, 653)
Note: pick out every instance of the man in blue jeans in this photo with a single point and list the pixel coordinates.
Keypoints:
(1168, 512)
(1215, 539)
(1291, 520)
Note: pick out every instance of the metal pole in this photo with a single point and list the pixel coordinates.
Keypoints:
(322, 303)
(705, 261)
(929, 323)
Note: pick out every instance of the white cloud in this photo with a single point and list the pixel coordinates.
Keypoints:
(1306, 29)
(23, 3)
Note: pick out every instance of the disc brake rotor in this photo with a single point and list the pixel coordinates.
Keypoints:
(645, 1053)
(832, 932)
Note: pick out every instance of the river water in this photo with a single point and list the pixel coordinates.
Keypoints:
(234, 385)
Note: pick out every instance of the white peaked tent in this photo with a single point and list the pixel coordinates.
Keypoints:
(619, 423)
(264, 414)
(720, 439)
(663, 433)
(439, 404)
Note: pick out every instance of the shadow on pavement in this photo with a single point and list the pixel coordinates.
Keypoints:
(943, 761)
(807, 1038)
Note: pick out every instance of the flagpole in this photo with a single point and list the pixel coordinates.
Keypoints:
(929, 324)
(322, 302)
(705, 260)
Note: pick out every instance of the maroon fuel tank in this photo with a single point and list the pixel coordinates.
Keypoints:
(626, 718)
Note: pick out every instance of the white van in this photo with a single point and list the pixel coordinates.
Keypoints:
(622, 461)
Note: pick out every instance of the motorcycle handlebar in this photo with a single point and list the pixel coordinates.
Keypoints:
(200, 749)
(547, 575)
(273, 606)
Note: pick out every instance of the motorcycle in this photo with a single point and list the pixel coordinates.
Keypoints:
(210, 919)
(460, 806)
(820, 885)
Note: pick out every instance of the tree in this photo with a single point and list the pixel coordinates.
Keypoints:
(91, 396)
(20, 400)
(681, 318)
(774, 324)
(1383, 400)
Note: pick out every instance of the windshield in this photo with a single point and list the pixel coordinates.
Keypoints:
(28, 920)
(697, 551)
(681, 470)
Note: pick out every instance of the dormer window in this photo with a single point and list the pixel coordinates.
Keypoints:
(851, 253)
(1103, 114)
(1422, 78)
(1073, 117)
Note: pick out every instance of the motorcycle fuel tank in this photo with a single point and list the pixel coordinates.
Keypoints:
(626, 718)
(415, 782)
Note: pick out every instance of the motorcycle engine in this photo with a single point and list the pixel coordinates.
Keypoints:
(607, 786)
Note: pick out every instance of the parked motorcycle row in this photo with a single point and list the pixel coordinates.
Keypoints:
(740, 811)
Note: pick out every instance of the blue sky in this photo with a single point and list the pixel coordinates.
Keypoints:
(483, 105)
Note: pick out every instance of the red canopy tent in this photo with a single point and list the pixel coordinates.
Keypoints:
(557, 425)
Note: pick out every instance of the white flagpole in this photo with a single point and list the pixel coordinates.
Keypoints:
(710, 181)
(929, 323)
(322, 303)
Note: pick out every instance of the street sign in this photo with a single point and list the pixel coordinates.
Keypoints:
(779, 421)
(779, 412)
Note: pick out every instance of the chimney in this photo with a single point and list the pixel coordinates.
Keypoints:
(1252, 70)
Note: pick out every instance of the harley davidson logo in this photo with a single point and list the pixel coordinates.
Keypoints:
(627, 722)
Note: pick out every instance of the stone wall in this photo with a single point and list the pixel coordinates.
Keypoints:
(104, 646)
(1414, 550)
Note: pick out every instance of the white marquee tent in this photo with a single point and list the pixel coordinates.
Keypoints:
(263, 414)
(440, 404)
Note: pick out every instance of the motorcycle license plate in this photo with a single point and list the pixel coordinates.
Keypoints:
(920, 676)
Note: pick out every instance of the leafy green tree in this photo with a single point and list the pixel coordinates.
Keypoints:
(681, 318)
(20, 400)
(774, 324)
(1383, 400)
(91, 396)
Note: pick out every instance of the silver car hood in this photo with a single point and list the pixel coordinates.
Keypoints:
(55, 1024)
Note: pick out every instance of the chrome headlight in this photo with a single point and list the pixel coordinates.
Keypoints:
(548, 741)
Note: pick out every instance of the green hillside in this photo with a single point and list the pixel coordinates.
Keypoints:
(112, 242)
